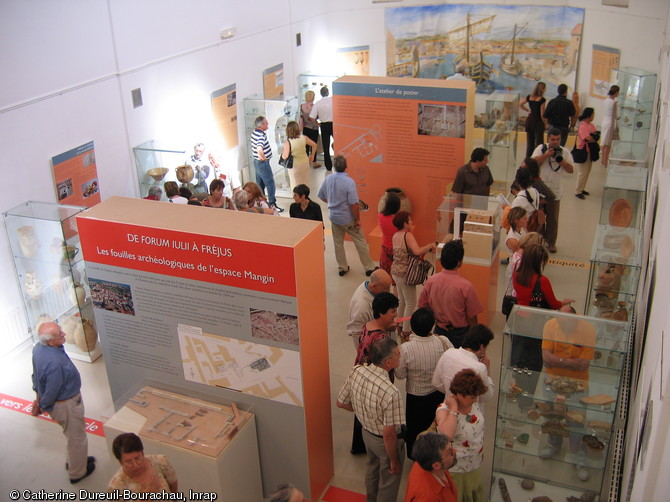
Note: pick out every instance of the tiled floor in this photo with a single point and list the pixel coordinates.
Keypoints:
(33, 450)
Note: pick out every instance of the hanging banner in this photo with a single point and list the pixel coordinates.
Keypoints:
(76, 176)
(273, 82)
(603, 61)
(224, 108)
(354, 60)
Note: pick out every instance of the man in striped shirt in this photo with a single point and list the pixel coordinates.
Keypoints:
(262, 153)
(377, 403)
(418, 359)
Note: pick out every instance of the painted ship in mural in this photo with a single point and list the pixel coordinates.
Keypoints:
(509, 63)
(473, 54)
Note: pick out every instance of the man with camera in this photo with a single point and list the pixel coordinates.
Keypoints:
(554, 160)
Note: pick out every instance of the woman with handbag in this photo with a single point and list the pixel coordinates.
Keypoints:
(405, 248)
(295, 146)
(533, 290)
(582, 154)
(310, 126)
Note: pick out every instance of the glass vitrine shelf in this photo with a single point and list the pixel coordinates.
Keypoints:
(559, 389)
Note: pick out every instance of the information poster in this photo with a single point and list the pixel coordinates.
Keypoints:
(187, 297)
(604, 60)
(407, 133)
(76, 176)
(354, 60)
(224, 108)
(273, 82)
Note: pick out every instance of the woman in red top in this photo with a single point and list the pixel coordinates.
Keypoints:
(527, 275)
(385, 220)
(527, 351)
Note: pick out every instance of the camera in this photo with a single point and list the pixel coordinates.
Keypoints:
(556, 154)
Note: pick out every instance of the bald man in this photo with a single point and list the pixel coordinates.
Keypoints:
(57, 385)
(360, 306)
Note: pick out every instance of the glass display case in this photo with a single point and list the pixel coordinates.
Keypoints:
(156, 164)
(635, 107)
(310, 82)
(279, 112)
(44, 243)
(475, 219)
(615, 272)
(559, 388)
(623, 202)
(500, 137)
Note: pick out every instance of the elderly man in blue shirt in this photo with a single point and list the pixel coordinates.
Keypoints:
(57, 384)
(339, 192)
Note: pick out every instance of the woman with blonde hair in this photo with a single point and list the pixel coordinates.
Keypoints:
(295, 145)
(524, 241)
(535, 124)
(310, 126)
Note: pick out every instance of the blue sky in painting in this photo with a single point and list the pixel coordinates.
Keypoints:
(543, 22)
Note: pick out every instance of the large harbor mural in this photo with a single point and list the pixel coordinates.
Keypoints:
(504, 46)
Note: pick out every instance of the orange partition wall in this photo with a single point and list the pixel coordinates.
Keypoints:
(225, 305)
(407, 133)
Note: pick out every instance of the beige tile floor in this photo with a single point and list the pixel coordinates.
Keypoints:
(33, 450)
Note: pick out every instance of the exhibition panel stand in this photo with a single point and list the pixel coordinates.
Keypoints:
(403, 132)
(227, 305)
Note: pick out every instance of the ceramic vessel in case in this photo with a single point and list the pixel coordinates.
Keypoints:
(51, 278)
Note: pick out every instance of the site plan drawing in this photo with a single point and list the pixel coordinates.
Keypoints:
(251, 368)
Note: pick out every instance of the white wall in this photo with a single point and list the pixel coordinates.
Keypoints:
(68, 68)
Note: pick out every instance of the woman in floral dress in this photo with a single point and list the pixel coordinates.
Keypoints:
(461, 418)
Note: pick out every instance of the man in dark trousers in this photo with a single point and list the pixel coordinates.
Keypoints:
(561, 113)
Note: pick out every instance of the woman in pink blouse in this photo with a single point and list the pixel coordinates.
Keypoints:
(585, 139)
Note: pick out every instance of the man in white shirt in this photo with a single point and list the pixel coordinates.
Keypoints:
(554, 160)
(418, 358)
(230, 176)
(323, 112)
(471, 354)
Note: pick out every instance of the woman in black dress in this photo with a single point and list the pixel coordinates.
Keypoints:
(535, 125)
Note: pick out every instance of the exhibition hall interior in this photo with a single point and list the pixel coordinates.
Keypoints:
(221, 338)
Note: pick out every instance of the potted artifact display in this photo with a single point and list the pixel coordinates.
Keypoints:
(556, 421)
(156, 163)
(49, 268)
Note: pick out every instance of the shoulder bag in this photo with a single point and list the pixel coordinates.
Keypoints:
(509, 300)
(418, 269)
(537, 298)
(288, 161)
